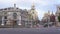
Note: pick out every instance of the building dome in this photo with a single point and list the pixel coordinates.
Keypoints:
(33, 7)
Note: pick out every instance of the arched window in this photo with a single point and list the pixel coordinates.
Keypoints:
(15, 15)
(5, 17)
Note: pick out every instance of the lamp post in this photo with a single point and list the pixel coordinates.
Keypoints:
(2, 20)
(48, 20)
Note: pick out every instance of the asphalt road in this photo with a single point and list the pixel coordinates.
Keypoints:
(29, 30)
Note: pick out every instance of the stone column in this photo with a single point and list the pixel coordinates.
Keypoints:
(57, 22)
(2, 21)
(19, 22)
(32, 24)
(48, 20)
(56, 19)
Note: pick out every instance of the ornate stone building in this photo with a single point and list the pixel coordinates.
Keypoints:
(10, 16)
(49, 19)
(52, 18)
(46, 16)
(13, 16)
(34, 14)
(57, 14)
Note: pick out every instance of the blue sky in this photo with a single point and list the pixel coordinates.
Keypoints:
(42, 6)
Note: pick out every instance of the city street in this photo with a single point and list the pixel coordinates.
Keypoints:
(29, 30)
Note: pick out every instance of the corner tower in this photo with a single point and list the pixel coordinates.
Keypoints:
(33, 12)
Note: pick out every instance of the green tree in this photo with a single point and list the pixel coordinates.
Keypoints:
(59, 18)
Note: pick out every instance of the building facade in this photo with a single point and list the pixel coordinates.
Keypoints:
(34, 14)
(49, 19)
(57, 15)
(13, 17)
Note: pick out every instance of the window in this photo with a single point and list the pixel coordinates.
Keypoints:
(33, 12)
(5, 17)
(14, 15)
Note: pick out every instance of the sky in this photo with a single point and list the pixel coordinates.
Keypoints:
(42, 6)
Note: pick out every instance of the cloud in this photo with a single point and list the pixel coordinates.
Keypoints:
(42, 2)
(40, 13)
(42, 6)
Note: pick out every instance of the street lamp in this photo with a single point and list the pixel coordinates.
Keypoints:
(48, 20)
